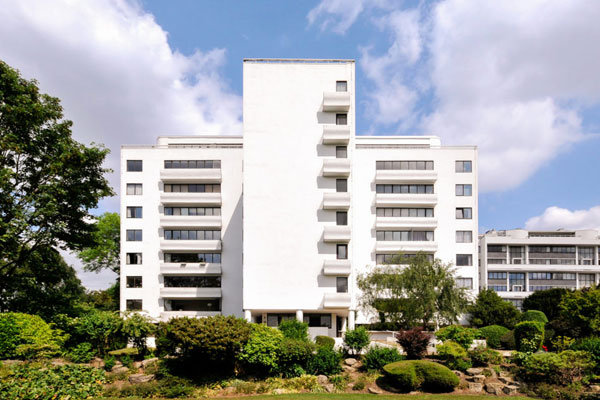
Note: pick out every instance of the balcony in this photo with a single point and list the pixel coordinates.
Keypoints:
(336, 101)
(336, 201)
(190, 198)
(405, 199)
(336, 300)
(336, 134)
(336, 167)
(407, 247)
(337, 234)
(336, 267)
(190, 268)
(191, 245)
(167, 315)
(189, 293)
(409, 222)
(392, 176)
(186, 221)
(205, 175)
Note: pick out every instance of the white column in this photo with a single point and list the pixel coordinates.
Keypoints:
(248, 315)
(351, 319)
(300, 315)
(344, 325)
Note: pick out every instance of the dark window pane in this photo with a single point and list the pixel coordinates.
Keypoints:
(134, 165)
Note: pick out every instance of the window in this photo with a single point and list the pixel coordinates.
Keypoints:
(192, 234)
(342, 251)
(341, 86)
(134, 189)
(464, 190)
(273, 320)
(195, 164)
(498, 288)
(497, 275)
(193, 281)
(133, 305)
(317, 320)
(496, 260)
(341, 283)
(587, 280)
(464, 166)
(552, 249)
(193, 211)
(464, 237)
(193, 188)
(464, 260)
(193, 258)
(341, 119)
(464, 213)
(341, 151)
(405, 236)
(341, 218)
(133, 258)
(404, 165)
(193, 305)
(466, 283)
(395, 258)
(496, 249)
(516, 281)
(134, 165)
(405, 212)
(134, 281)
(134, 235)
(403, 189)
(341, 185)
(134, 212)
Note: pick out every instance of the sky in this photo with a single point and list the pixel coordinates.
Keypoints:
(517, 79)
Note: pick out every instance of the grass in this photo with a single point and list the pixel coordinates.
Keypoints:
(363, 396)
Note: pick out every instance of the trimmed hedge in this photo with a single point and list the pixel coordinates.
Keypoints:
(454, 355)
(462, 335)
(534, 315)
(325, 341)
(493, 335)
(483, 356)
(294, 329)
(27, 336)
(529, 336)
(418, 374)
(376, 357)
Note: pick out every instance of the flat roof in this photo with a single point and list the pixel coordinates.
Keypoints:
(298, 60)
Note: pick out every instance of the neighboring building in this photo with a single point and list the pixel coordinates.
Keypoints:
(516, 263)
(319, 205)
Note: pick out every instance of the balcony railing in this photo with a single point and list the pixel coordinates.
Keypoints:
(406, 222)
(337, 300)
(336, 134)
(405, 246)
(336, 267)
(336, 101)
(190, 198)
(185, 221)
(336, 201)
(388, 176)
(336, 167)
(400, 199)
(207, 175)
(190, 268)
(167, 315)
(189, 293)
(337, 234)
(201, 245)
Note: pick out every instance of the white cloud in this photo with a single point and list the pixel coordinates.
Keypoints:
(338, 15)
(555, 218)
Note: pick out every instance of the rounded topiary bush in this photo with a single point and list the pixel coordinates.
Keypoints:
(418, 374)
(507, 341)
(376, 357)
(325, 341)
(534, 315)
(493, 335)
(529, 336)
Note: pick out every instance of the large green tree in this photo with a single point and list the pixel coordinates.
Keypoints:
(48, 181)
(546, 301)
(420, 292)
(104, 251)
(491, 309)
(580, 311)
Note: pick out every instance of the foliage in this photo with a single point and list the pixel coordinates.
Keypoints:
(325, 362)
(43, 284)
(355, 340)
(294, 329)
(529, 336)
(562, 343)
(104, 300)
(454, 356)
(48, 181)
(558, 368)
(534, 315)
(294, 356)
(546, 301)
(377, 356)
(137, 328)
(493, 334)
(507, 341)
(419, 293)
(592, 346)
(359, 384)
(414, 342)
(27, 336)
(339, 382)
(103, 329)
(579, 311)
(325, 341)
(459, 334)
(169, 387)
(124, 352)
(424, 375)
(49, 383)
(217, 340)
(83, 353)
(491, 309)
(261, 353)
(482, 356)
(104, 251)
(109, 362)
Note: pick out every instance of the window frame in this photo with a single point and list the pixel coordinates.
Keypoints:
(132, 165)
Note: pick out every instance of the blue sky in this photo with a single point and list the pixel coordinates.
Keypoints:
(517, 79)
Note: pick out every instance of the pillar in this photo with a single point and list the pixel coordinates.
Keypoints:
(351, 319)
(300, 316)
(248, 315)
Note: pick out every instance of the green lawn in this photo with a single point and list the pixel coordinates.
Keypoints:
(362, 396)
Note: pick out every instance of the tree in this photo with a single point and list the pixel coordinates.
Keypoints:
(105, 249)
(44, 284)
(491, 309)
(104, 300)
(546, 301)
(420, 293)
(579, 310)
(48, 181)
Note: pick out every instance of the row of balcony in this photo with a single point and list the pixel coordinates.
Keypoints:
(340, 167)
(341, 201)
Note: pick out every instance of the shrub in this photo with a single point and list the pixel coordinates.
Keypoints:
(592, 346)
(137, 328)
(325, 362)
(529, 336)
(493, 334)
(414, 342)
(294, 329)
(125, 352)
(482, 357)
(547, 301)
(27, 336)
(294, 356)
(459, 334)
(491, 309)
(454, 355)
(109, 362)
(534, 315)
(356, 340)
(562, 368)
(83, 353)
(507, 341)
(261, 353)
(102, 329)
(424, 375)
(359, 384)
(561, 343)
(325, 341)
(339, 382)
(376, 357)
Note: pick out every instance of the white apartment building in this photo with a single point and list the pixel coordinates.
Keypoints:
(305, 206)
(516, 263)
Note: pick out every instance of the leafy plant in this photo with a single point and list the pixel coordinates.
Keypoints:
(579, 311)
(27, 336)
(138, 328)
(491, 309)
(592, 346)
(102, 329)
(507, 341)
(562, 368)
(377, 356)
(294, 357)
(482, 356)
(547, 301)
(356, 340)
(493, 335)
(294, 329)
(109, 363)
(414, 342)
(454, 355)
(325, 362)
(562, 343)
(529, 336)
(340, 382)
(325, 341)
(459, 334)
(261, 353)
(534, 315)
(418, 374)
(83, 353)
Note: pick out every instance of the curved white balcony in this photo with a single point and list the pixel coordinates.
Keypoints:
(190, 198)
(405, 199)
(336, 101)
(336, 267)
(393, 176)
(191, 175)
(336, 134)
(336, 167)
(189, 293)
(186, 221)
(191, 245)
(336, 300)
(406, 247)
(190, 268)
(409, 222)
(337, 234)
(167, 315)
(336, 201)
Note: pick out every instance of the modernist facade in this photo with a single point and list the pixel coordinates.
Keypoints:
(278, 224)
(516, 263)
